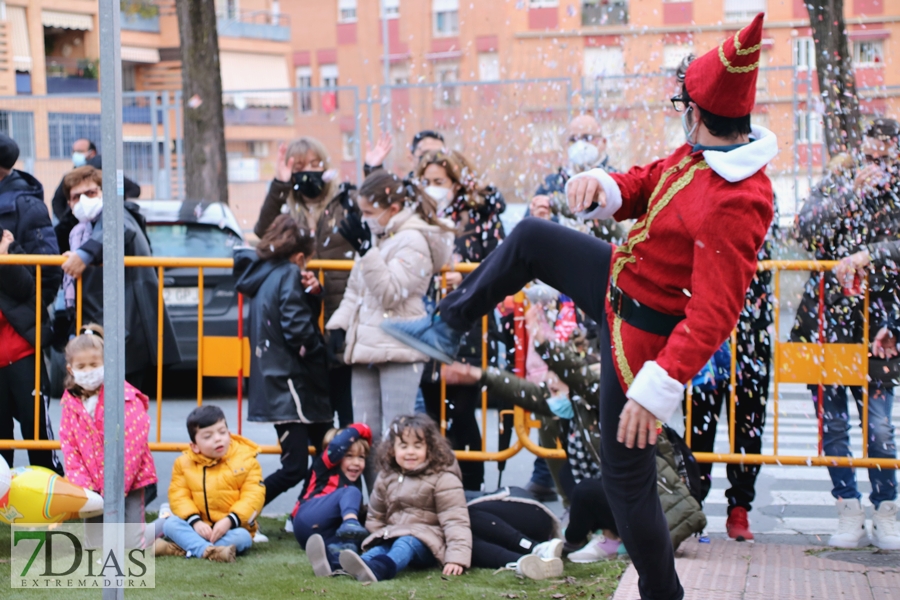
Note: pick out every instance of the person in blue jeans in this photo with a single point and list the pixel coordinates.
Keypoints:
(836, 442)
(326, 516)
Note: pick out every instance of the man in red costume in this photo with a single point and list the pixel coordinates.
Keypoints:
(667, 298)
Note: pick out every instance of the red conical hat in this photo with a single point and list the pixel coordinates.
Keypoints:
(723, 81)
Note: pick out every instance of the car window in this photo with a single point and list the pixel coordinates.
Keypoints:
(192, 241)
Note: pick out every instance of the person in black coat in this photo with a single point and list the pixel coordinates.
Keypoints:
(288, 365)
(84, 153)
(141, 283)
(24, 229)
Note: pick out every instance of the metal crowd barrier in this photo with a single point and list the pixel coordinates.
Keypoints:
(815, 364)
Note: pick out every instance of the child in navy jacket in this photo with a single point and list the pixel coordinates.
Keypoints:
(326, 516)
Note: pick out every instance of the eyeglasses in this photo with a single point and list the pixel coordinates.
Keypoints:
(679, 103)
(93, 193)
(585, 137)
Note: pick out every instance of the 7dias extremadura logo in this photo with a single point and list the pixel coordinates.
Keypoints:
(71, 555)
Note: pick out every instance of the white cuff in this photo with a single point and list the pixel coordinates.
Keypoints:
(653, 389)
(610, 187)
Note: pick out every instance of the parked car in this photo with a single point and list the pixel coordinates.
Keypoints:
(195, 230)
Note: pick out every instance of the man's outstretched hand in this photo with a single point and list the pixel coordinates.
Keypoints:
(582, 192)
(636, 424)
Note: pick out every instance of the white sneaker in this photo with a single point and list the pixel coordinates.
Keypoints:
(259, 538)
(289, 525)
(851, 531)
(551, 549)
(885, 534)
(165, 511)
(534, 567)
(599, 548)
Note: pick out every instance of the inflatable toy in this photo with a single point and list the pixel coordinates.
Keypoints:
(38, 495)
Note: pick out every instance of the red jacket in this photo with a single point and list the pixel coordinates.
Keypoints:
(691, 252)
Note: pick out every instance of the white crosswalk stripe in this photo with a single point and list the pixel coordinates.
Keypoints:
(790, 499)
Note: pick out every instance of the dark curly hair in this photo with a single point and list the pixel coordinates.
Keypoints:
(284, 238)
(440, 455)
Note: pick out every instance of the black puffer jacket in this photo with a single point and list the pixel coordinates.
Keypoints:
(22, 211)
(834, 223)
(288, 370)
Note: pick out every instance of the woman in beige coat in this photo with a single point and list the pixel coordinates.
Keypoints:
(417, 511)
(401, 245)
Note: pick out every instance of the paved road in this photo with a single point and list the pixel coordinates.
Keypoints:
(790, 499)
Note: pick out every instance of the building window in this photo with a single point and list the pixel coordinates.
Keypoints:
(346, 11)
(399, 74)
(348, 146)
(545, 138)
(304, 82)
(542, 3)
(673, 54)
(137, 159)
(446, 17)
(228, 9)
(603, 68)
(447, 93)
(488, 66)
(604, 12)
(762, 79)
(809, 127)
(868, 54)
(129, 71)
(743, 10)
(391, 9)
(258, 149)
(65, 128)
(19, 125)
(804, 53)
(328, 74)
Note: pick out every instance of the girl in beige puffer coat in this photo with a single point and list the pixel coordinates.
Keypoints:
(401, 245)
(417, 511)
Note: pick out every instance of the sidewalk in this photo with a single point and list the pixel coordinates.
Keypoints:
(726, 570)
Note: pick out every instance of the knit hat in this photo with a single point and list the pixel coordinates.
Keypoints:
(9, 151)
(723, 81)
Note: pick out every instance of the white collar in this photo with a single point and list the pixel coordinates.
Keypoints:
(740, 163)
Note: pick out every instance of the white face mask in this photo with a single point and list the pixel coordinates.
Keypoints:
(689, 131)
(89, 379)
(87, 209)
(79, 159)
(374, 226)
(584, 154)
(441, 195)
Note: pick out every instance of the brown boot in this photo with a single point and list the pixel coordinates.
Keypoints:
(224, 554)
(164, 548)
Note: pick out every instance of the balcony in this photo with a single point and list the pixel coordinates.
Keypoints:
(258, 24)
(258, 115)
(71, 76)
(139, 15)
(605, 12)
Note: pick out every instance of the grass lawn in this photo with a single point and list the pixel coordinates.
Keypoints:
(279, 569)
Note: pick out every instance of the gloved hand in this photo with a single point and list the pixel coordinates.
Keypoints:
(561, 407)
(355, 231)
(364, 431)
(335, 348)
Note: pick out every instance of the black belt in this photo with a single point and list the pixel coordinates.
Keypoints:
(642, 317)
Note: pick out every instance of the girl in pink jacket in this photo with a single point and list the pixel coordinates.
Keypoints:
(81, 429)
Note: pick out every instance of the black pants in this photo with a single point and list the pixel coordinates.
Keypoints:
(749, 417)
(17, 402)
(295, 439)
(577, 265)
(589, 511)
(503, 531)
(462, 425)
(340, 394)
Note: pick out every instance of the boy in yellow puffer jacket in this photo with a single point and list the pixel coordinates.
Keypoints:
(217, 492)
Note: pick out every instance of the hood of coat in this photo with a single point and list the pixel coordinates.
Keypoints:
(239, 446)
(440, 241)
(16, 184)
(740, 163)
(132, 394)
(255, 274)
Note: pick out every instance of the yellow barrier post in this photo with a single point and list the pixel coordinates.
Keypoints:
(160, 306)
(775, 340)
(199, 336)
(37, 354)
(484, 395)
(688, 414)
(78, 304)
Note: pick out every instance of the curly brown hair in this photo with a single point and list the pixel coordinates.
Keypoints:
(284, 238)
(77, 176)
(440, 455)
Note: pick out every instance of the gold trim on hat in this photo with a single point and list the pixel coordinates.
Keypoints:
(732, 69)
(745, 52)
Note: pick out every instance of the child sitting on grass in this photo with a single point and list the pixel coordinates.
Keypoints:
(326, 517)
(217, 492)
(417, 509)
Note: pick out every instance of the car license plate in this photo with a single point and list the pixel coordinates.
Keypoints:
(181, 296)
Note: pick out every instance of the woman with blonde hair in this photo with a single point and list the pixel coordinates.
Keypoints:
(306, 187)
(475, 210)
